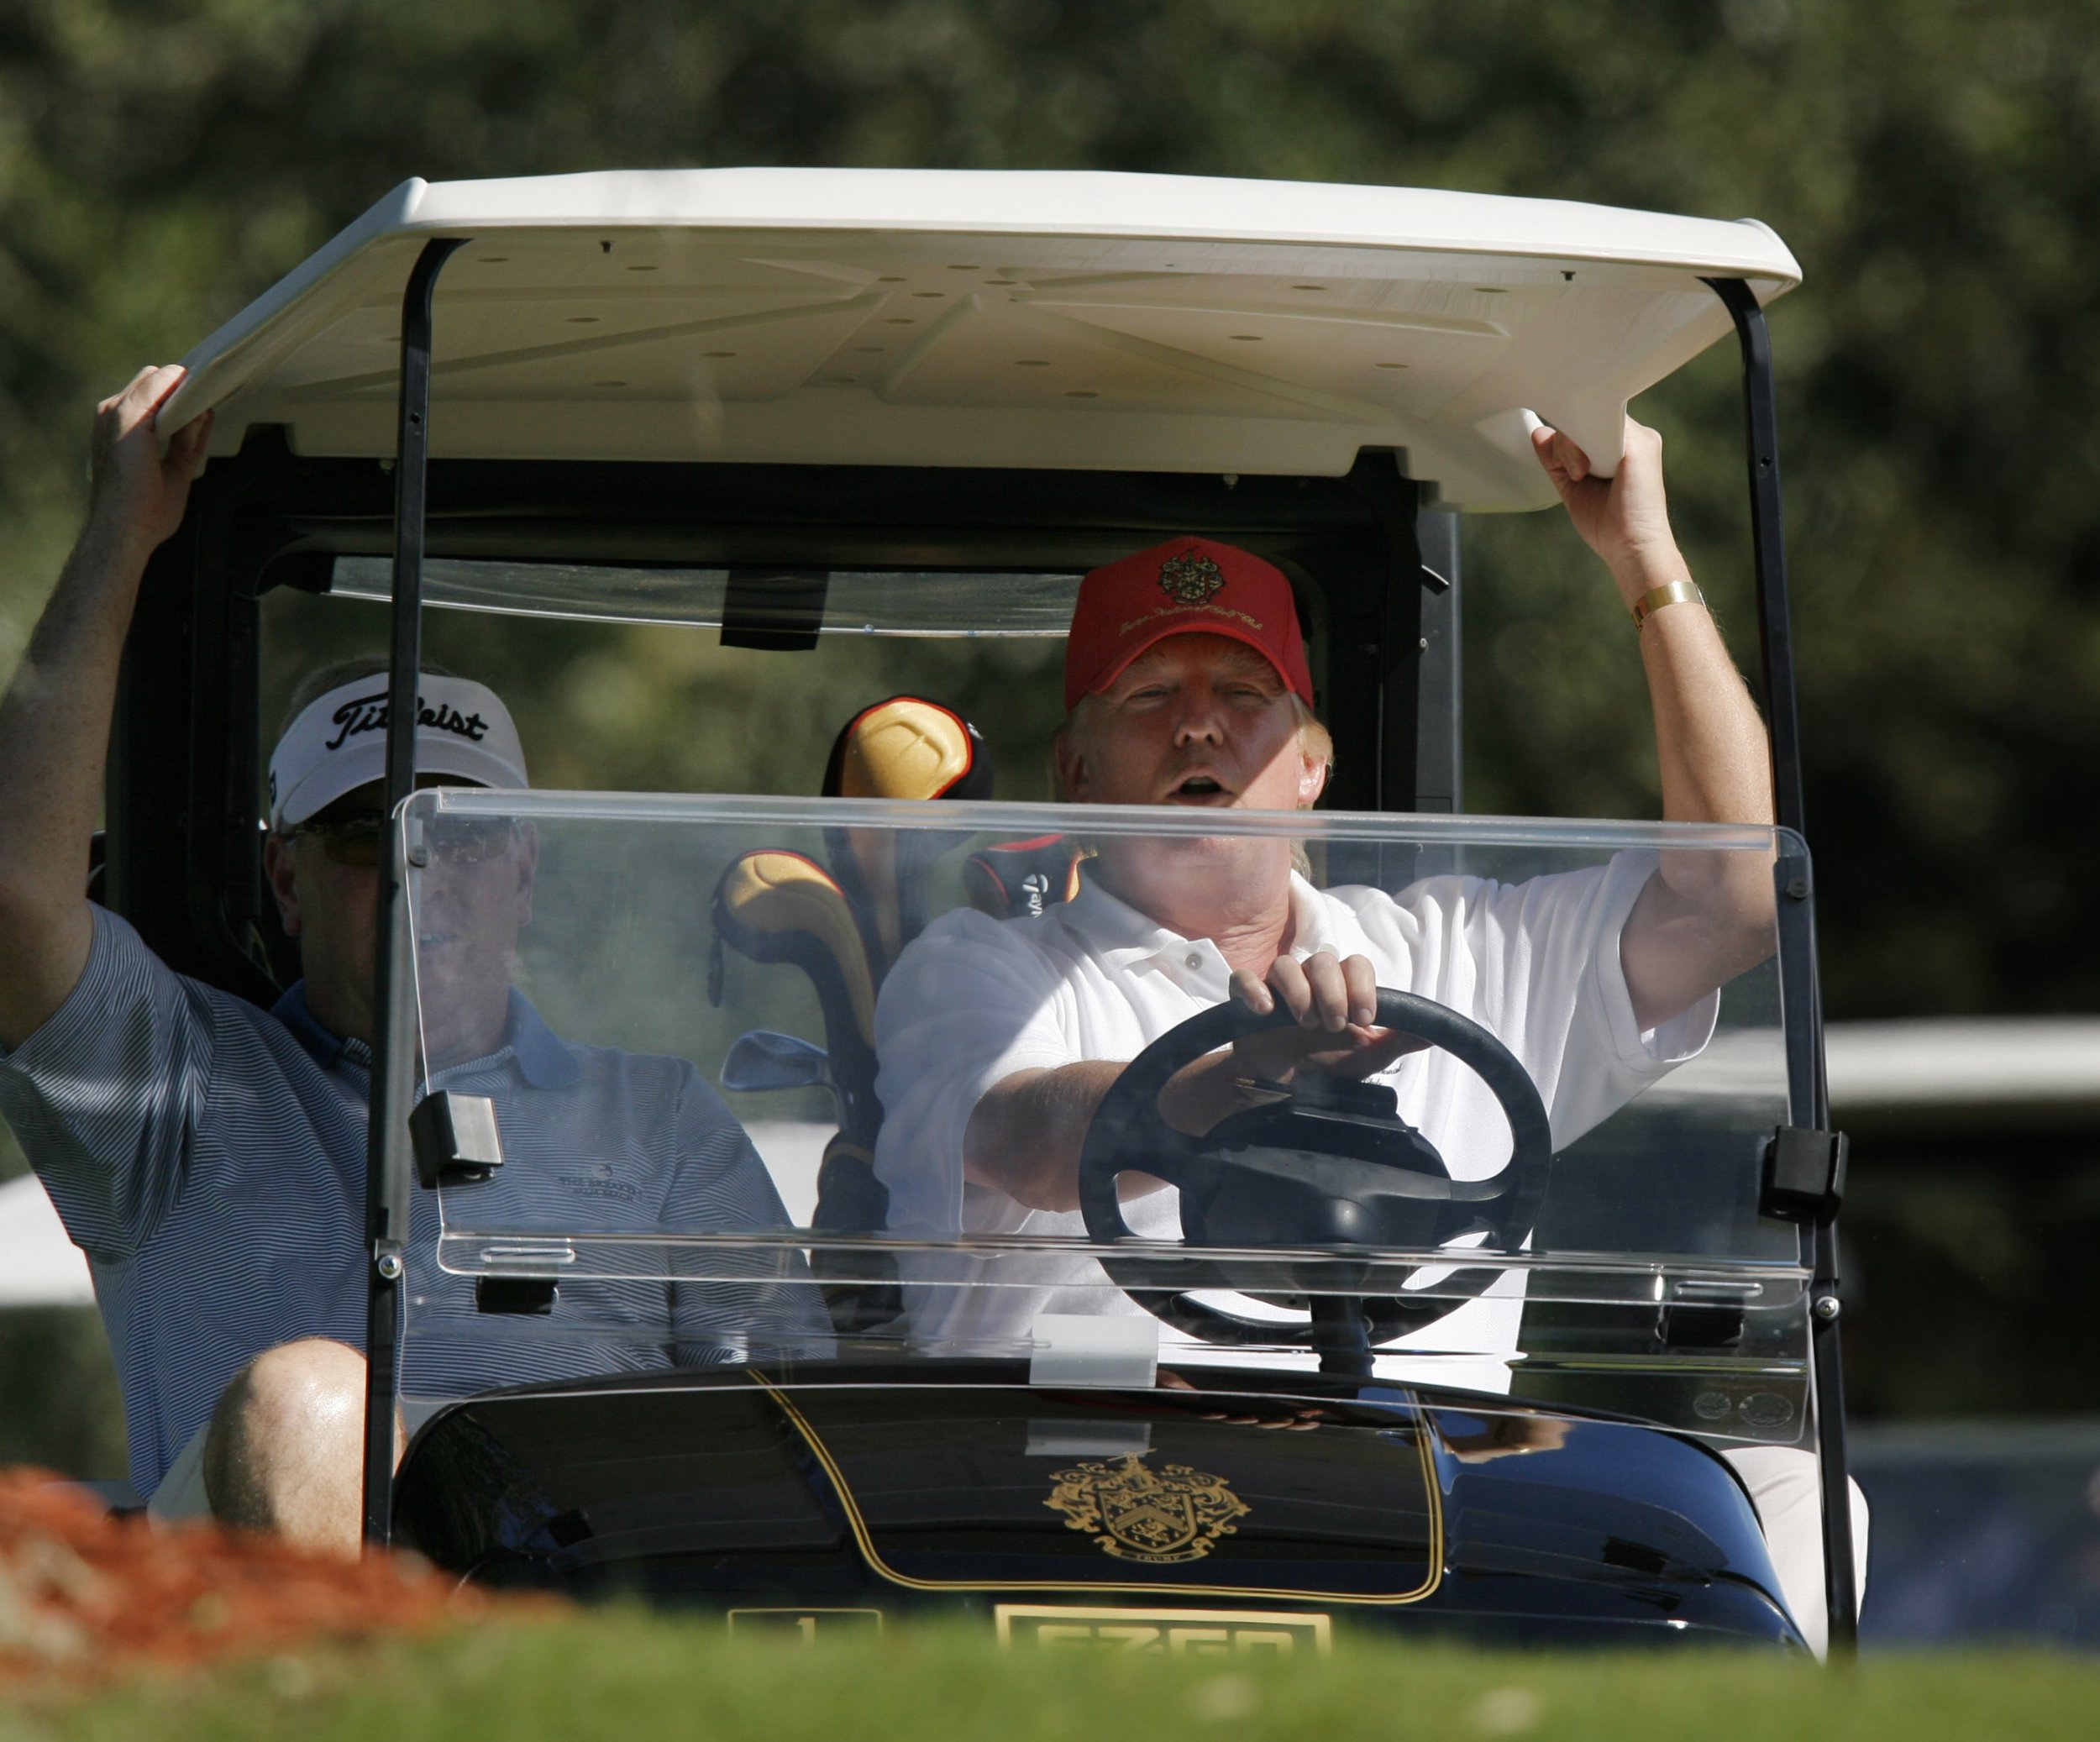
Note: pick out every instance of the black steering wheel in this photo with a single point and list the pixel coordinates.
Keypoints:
(1334, 1165)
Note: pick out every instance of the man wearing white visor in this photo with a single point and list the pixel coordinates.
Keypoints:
(209, 1155)
(339, 742)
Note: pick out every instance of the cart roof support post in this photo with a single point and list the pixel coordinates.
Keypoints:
(386, 1175)
(1811, 1105)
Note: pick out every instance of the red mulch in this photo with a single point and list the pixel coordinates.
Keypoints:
(83, 1592)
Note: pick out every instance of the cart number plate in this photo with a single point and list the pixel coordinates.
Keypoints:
(1165, 1633)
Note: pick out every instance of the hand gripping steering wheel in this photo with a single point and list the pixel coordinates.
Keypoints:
(1334, 1166)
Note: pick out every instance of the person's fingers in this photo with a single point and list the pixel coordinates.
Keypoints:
(1359, 1050)
(1379, 1047)
(1362, 979)
(187, 450)
(1329, 990)
(1555, 474)
(144, 392)
(1287, 979)
(1363, 1052)
(1561, 457)
(1247, 988)
(136, 387)
(117, 416)
(158, 383)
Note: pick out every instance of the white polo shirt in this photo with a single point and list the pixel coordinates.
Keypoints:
(975, 999)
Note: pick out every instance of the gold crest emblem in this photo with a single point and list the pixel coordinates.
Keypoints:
(1156, 1516)
(1190, 579)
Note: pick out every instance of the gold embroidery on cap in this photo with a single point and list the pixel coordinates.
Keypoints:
(1182, 610)
(1190, 579)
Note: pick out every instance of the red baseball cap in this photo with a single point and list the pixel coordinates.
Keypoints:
(1186, 586)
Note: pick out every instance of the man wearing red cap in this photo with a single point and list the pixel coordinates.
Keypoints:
(1186, 586)
(1187, 684)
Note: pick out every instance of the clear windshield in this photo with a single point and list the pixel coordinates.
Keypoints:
(792, 1082)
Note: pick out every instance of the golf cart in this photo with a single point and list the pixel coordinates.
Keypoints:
(1365, 1379)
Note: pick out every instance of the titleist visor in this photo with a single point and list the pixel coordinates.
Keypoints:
(339, 742)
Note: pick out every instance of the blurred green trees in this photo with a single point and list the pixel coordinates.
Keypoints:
(1933, 167)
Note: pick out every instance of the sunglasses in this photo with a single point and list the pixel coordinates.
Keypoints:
(354, 841)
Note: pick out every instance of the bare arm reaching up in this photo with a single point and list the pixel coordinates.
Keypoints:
(54, 718)
(1706, 916)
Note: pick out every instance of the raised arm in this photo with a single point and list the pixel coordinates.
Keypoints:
(54, 718)
(1706, 916)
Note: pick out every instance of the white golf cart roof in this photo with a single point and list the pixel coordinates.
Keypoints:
(977, 318)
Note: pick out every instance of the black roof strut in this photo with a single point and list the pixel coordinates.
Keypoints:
(1808, 1089)
(387, 1199)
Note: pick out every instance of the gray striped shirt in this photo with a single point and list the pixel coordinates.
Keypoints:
(208, 1157)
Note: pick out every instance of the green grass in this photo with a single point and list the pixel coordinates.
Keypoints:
(629, 1674)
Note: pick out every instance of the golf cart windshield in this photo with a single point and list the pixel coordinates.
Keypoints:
(701, 1075)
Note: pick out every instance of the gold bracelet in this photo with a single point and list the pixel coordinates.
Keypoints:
(1677, 592)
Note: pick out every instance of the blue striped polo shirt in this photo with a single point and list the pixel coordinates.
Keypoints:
(208, 1156)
